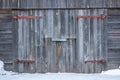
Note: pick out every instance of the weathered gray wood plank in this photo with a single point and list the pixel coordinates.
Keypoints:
(50, 4)
(83, 41)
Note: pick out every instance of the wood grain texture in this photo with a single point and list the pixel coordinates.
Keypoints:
(83, 37)
(6, 39)
(53, 4)
(113, 38)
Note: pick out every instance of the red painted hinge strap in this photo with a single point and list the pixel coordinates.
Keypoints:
(26, 17)
(101, 16)
(98, 61)
(24, 61)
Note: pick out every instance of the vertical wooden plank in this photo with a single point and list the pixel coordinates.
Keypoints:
(80, 42)
(58, 44)
(97, 30)
(66, 49)
(35, 39)
(31, 55)
(104, 44)
(52, 63)
(103, 40)
(49, 25)
(93, 42)
(15, 41)
(20, 44)
(41, 45)
(27, 26)
(23, 43)
(87, 41)
(71, 35)
(63, 44)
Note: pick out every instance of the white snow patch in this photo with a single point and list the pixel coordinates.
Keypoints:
(54, 76)
(2, 71)
(112, 72)
(60, 76)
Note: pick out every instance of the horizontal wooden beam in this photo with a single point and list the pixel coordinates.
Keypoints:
(101, 16)
(26, 17)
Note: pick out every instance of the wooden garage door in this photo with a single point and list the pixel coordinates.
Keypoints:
(59, 41)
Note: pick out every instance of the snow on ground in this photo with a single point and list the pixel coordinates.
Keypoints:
(6, 75)
(112, 72)
(2, 71)
(60, 76)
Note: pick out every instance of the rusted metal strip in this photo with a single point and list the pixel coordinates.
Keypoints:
(26, 17)
(24, 61)
(101, 16)
(71, 38)
(98, 61)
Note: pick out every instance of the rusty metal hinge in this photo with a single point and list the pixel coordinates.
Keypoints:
(26, 17)
(24, 61)
(71, 38)
(94, 61)
(101, 16)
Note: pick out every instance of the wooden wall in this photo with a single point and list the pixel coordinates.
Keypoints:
(42, 4)
(60, 42)
(113, 38)
(6, 38)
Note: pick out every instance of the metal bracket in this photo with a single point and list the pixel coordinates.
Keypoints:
(59, 40)
(24, 61)
(26, 17)
(94, 61)
(101, 16)
(71, 38)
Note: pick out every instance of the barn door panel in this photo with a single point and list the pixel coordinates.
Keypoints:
(91, 32)
(29, 39)
(60, 41)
